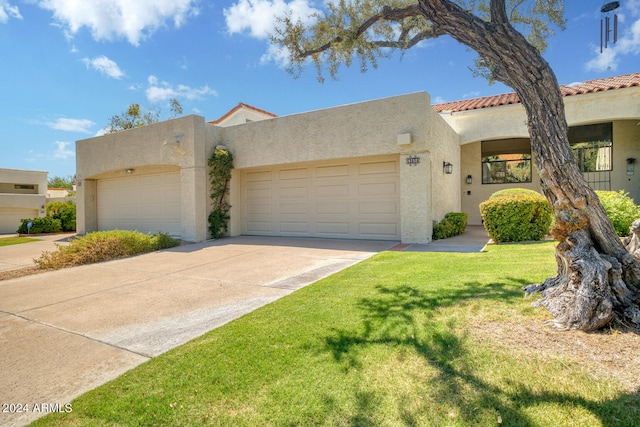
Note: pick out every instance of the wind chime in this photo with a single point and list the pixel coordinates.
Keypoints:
(606, 29)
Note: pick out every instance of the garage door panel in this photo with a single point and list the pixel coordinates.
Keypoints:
(332, 171)
(378, 189)
(147, 203)
(294, 192)
(259, 176)
(355, 199)
(377, 208)
(332, 190)
(379, 230)
(294, 208)
(390, 167)
(259, 227)
(294, 228)
(335, 208)
(301, 173)
(331, 229)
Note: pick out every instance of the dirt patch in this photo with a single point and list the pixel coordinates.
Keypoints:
(606, 355)
(21, 272)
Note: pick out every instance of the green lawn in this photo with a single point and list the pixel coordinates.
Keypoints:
(392, 341)
(6, 241)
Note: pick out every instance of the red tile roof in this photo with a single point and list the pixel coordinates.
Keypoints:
(239, 107)
(590, 86)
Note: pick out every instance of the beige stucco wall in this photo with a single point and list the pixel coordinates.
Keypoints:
(621, 106)
(157, 148)
(22, 198)
(353, 131)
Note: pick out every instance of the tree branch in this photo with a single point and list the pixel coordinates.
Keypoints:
(387, 14)
(498, 12)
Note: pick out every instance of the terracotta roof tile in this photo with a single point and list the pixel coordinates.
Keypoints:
(590, 86)
(238, 107)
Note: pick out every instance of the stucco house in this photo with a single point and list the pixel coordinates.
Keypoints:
(384, 169)
(23, 195)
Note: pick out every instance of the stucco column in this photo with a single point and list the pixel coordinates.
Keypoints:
(415, 197)
(86, 206)
(194, 203)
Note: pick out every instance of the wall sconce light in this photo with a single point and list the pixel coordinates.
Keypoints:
(448, 168)
(630, 162)
(128, 171)
(469, 179)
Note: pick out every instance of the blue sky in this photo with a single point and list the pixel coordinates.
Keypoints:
(68, 66)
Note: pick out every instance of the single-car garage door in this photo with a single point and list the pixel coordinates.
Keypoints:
(353, 199)
(147, 203)
(10, 218)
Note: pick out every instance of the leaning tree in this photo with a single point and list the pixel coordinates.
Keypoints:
(597, 279)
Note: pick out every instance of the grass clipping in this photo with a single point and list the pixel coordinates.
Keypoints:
(103, 246)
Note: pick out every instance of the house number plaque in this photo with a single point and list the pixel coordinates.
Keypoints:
(413, 160)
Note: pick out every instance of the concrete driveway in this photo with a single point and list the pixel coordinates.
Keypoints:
(65, 332)
(22, 255)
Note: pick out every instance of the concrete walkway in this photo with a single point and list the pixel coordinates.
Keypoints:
(65, 332)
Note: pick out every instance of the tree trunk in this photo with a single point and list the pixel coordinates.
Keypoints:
(597, 277)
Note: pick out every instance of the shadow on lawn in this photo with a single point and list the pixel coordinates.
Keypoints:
(407, 317)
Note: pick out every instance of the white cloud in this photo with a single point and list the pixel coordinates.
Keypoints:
(257, 17)
(627, 44)
(133, 20)
(62, 152)
(105, 66)
(162, 91)
(72, 125)
(7, 12)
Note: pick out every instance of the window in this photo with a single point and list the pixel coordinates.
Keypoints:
(506, 161)
(24, 187)
(592, 147)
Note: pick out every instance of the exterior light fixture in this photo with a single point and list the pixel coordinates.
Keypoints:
(630, 167)
(128, 171)
(469, 179)
(448, 168)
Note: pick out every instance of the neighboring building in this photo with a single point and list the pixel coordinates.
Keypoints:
(22, 195)
(61, 194)
(384, 169)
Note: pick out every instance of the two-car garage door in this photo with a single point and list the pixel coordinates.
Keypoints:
(147, 203)
(11, 218)
(354, 199)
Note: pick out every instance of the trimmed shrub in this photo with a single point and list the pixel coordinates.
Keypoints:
(452, 224)
(508, 191)
(40, 225)
(103, 246)
(620, 208)
(65, 212)
(516, 217)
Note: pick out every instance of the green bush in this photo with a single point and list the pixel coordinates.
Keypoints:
(516, 217)
(103, 246)
(508, 191)
(620, 208)
(452, 224)
(40, 225)
(65, 212)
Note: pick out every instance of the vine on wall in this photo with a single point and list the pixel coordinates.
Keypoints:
(220, 166)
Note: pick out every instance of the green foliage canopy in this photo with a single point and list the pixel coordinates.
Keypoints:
(62, 182)
(365, 30)
(135, 116)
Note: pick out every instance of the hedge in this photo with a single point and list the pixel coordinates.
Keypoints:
(620, 208)
(45, 224)
(516, 217)
(454, 223)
